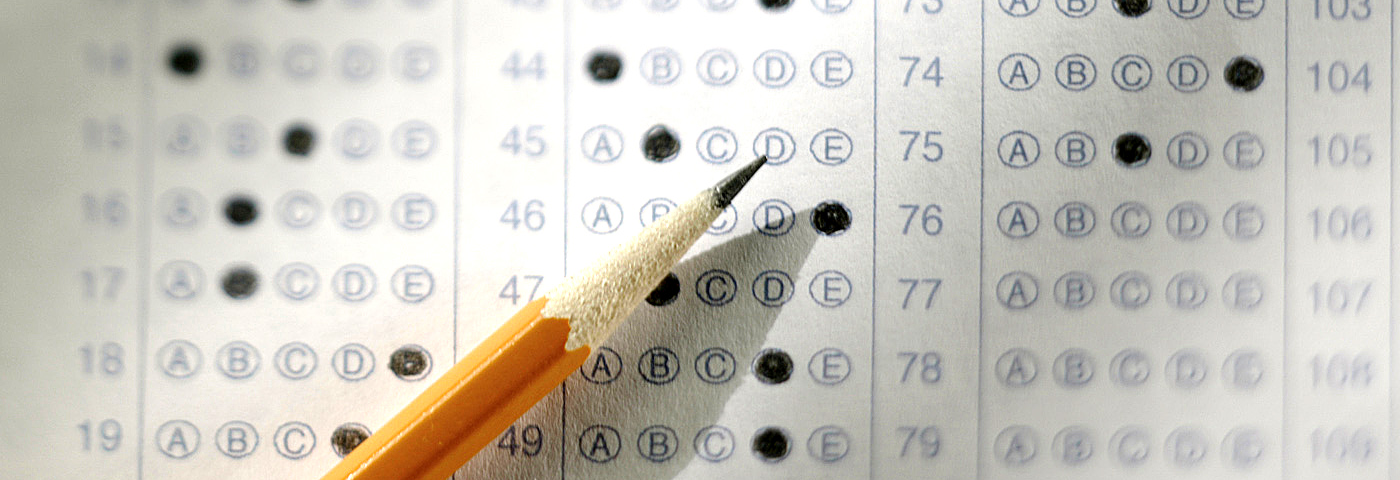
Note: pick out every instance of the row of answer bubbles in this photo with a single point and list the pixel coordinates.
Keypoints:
(1242, 447)
(719, 145)
(237, 439)
(1183, 9)
(1130, 73)
(186, 137)
(771, 217)
(184, 209)
(715, 365)
(1242, 151)
(1242, 291)
(1185, 221)
(240, 360)
(603, 443)
(1242, 370)
(181, 280)
(356, 62)
(775, 68)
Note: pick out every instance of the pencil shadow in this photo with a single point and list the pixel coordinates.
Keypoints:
(655, 391)
(681, 363)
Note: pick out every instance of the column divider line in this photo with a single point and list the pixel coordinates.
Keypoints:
(1287, 318)
(564, 222)
(144, 226)
(981, 234)
(874, 207)
(1394, 312)
(459, 38)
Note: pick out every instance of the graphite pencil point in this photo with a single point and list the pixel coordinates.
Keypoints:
(727, 189)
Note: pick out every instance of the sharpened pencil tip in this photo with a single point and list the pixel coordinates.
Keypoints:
(727, 189)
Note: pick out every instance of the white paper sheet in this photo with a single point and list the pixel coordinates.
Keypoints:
(1021, 291)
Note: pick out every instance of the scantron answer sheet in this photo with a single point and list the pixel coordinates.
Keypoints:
(1006, 239)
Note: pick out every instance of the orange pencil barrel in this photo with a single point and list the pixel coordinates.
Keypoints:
(471, 404)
